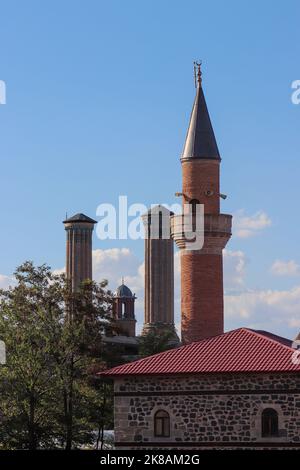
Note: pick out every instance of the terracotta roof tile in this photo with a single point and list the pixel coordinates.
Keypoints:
(241, 350)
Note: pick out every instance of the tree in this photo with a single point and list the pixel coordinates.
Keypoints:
(27, 314)
(54, 345)
(156, 341)
(81, 352)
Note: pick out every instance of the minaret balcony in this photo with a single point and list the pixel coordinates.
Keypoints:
(210, 235)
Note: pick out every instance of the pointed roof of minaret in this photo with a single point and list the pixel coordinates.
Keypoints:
(200, 140)
(79, 218)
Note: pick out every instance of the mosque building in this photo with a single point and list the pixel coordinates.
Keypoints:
(239, 389)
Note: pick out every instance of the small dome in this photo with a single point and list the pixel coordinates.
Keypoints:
(123, 291)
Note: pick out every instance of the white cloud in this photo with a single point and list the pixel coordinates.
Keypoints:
(6, 281)
(59, 271)
(274, 310)
(245, 226)
(177, 267)
(294, 322)
(265, 308)
(115, 263)
(234, 269)
(253, 308)
(285, 268)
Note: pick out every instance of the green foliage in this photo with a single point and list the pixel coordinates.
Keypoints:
(156, 341)
(48, 395)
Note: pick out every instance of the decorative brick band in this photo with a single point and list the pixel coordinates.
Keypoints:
(207, 392)
(214, 444)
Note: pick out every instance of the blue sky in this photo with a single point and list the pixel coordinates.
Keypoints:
(98, 100)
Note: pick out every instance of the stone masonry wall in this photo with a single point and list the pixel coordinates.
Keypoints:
(212, 410)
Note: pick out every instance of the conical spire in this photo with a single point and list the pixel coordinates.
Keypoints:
(200, 140)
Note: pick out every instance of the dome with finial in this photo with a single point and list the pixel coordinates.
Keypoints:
(123, 291)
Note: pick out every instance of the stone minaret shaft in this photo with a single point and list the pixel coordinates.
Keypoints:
(202, 270)
(159, 271)
(79, 230)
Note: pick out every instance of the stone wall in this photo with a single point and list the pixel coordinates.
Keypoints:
(209, 411)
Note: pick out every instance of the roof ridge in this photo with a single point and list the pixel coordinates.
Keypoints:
(258, 333)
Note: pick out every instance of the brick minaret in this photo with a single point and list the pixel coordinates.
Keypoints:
(79, 230)
(123, 308)
(159, 272)
(202, 270)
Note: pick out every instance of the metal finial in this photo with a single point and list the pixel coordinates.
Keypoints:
(197, 73)
(122, 279)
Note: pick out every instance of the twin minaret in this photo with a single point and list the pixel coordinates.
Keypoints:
(159, 273)
(201, 268)
(79, 229)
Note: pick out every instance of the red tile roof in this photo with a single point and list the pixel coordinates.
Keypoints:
(241, 350)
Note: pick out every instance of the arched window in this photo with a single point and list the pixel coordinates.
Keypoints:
(193, 203)
(161, 424)
(123, 311)
(269, 423)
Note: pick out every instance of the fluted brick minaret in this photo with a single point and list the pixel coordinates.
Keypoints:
(159, 272)
(79, 230)
(202, 270)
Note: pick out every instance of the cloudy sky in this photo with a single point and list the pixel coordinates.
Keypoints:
(98, 96)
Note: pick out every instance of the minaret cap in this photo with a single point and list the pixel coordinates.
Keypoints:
(79, 218)
(198, 73)
(200, 140)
